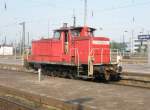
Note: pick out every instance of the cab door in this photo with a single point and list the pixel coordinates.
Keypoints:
(66, 42)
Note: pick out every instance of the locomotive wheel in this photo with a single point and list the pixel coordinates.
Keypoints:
(64, 74)
(70, 76)
(116, 77)
(107, 75)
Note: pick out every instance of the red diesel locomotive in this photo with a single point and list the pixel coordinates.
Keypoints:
(74, 52)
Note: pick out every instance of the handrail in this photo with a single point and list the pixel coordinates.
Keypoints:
(78, 58)
(76, 53)
(101, 53)
(92, 53)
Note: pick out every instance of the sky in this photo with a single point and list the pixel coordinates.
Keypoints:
(111, 18)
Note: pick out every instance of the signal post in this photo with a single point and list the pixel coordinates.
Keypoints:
(148, 52)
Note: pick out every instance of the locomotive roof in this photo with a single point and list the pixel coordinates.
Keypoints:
(73, 28)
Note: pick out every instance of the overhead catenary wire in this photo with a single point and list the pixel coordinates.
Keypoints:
(103, 10)
(93, 11)
(133, 4)
(124, 7)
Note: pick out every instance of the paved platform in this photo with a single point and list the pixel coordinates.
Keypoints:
(95, 95)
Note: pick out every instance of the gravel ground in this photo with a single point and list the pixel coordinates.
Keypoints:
(96, 95)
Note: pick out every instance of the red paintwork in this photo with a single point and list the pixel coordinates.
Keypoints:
(53, 50)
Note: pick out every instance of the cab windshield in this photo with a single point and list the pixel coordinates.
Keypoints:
(90, 32)
(75, 33)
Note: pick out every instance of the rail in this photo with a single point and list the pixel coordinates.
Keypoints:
(7, 103)
(133, 82)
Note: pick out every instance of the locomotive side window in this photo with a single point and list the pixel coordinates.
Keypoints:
(57, 35)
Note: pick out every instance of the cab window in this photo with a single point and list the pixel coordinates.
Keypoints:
(57, 35)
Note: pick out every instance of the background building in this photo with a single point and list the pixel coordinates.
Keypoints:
(6, 50)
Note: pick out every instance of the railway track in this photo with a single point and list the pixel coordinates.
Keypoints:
(33, 101)
(133, 83)
(6, 104)
(128, 78)
(135, 80)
